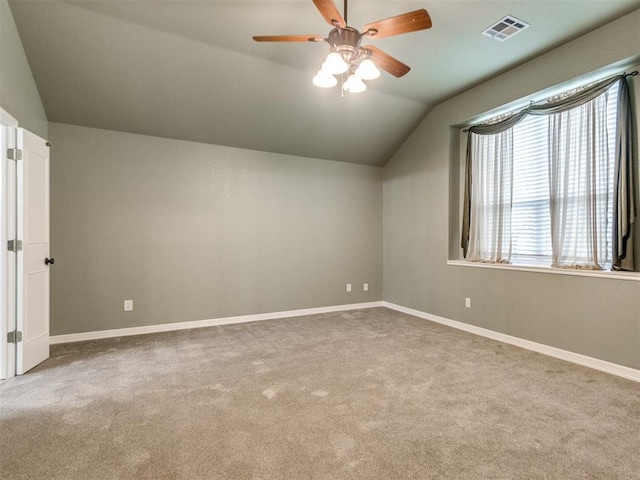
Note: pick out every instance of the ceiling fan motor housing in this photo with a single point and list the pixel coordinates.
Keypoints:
(346, 41)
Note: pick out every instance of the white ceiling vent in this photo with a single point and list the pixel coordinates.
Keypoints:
(505, 28)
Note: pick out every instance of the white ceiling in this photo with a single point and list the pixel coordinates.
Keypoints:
(190, 70)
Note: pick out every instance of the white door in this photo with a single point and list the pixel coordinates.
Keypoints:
(33, 260)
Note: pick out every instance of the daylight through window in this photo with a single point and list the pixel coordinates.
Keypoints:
(546, 186)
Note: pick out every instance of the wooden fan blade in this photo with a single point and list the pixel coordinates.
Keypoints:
(386, 62)
(288, 38)
(330, 13)
(405, 23)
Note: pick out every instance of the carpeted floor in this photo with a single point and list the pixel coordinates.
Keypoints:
(367, 394)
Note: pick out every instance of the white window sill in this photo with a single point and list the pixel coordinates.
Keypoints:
(633, 276)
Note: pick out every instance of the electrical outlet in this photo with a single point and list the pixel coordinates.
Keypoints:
(467, 302)
(348, 287)
(365, 287)
(128, 305)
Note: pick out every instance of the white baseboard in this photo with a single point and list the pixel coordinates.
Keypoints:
(604, 366)
(608, 367)
(168, 327)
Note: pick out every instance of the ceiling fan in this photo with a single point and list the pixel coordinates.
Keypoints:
(347, 56)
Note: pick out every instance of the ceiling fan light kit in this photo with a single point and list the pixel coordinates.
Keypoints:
(346, 56)
(324, 79)
(367, 70)
(334, 64)
(354, 85)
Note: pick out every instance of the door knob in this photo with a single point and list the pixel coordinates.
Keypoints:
(49, 261)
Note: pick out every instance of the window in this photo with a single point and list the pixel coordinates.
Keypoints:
(544, 186)
(530, 215)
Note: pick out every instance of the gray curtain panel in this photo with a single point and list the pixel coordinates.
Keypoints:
(624, 208)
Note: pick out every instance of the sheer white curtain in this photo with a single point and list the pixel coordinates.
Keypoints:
(490, 208)
(580, 186)
(592, 183)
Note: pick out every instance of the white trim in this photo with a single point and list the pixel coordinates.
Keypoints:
(603, 366)
(168, 327)
(8, 126)
(615, 275)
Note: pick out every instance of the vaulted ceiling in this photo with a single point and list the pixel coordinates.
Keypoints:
(190, 70)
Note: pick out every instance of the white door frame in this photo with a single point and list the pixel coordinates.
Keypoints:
(8, 132)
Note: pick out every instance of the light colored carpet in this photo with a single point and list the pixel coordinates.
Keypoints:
(367, 394)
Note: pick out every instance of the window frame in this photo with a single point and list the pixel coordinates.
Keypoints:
(456, 257)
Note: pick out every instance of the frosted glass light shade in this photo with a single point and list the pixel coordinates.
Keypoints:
(324, 79)
(367, 70)
(354, 85)
(335, 64)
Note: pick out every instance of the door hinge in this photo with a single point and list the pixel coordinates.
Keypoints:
(14, 246)
(14, 154)
(14, 337)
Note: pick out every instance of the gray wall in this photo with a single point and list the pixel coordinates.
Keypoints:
(192, 231)
(18, 93)
(595, 317)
